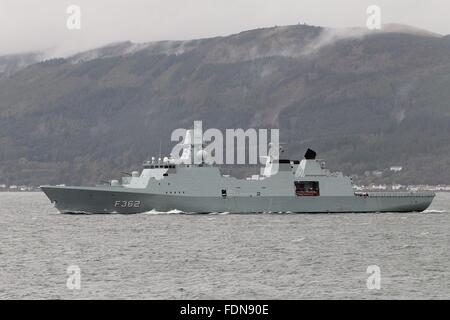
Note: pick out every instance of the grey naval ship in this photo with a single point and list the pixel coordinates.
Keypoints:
(285, 186)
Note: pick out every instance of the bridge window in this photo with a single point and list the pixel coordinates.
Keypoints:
(307, 188)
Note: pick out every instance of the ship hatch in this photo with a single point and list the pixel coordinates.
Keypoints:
(307, 188)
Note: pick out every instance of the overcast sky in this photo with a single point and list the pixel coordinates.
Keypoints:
(29, 25)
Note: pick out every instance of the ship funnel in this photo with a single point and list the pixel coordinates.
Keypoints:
(310, 154)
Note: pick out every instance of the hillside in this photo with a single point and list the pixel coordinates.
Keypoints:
(363, 101)
(9, 64)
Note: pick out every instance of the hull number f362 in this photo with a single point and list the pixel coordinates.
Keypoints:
(127, 204)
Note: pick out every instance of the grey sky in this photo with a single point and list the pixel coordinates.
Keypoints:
(27, 25)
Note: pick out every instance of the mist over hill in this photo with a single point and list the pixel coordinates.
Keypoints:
(12, 63)
(365, 101)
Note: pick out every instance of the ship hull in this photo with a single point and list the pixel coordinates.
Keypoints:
(124, 200)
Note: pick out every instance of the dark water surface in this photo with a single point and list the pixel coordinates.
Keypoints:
(221, 256)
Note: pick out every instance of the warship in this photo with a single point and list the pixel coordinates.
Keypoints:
(191, 184)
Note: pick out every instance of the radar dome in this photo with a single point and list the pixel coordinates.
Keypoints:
(201, 156)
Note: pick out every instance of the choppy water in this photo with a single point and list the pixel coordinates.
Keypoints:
(215, 256)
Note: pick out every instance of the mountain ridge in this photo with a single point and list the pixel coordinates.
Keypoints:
(365, 102)
(170, 46)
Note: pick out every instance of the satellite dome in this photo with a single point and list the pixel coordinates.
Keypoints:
(201, 156)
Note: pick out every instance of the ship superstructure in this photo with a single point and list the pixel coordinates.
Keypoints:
(191, 184)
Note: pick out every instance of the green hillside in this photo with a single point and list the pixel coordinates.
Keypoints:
(363, 103)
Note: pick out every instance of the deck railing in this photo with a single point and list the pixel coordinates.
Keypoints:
(394, 194)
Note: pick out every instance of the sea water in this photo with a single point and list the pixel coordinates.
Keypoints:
(45, 254)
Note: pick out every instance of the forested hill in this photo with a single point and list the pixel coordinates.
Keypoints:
(365, 101)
